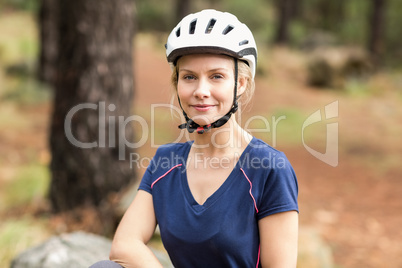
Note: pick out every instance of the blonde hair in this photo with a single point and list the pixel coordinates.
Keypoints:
(244, 71)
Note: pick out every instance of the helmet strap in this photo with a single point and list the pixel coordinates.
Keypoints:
(192, 126)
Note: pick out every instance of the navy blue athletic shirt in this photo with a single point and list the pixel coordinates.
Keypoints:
(223, 232)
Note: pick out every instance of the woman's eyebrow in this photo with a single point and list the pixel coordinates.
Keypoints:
(211, 70)
(185, 70)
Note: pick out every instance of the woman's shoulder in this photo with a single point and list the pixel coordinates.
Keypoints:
(260, 147)
(261, 157)
(168, 156)
(173, 148)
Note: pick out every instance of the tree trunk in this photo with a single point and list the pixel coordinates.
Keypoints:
(297, 9)
(331, 14)
(48, 21)
(377, 29)
(285, 8)
(93, 100)
(183, 8)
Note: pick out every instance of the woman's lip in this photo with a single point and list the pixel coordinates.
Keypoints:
(202, 107)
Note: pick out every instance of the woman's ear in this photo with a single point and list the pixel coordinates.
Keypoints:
(241, 85)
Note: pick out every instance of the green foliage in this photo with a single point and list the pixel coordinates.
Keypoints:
(25, 90)
(347, 21)
(354, 28)
(256, 14)
(29, 185)
(380, 85)
(394, 33)
(154, 15)
(157, 15)
(357, 88)
(18, 53)
(289, 125)
(283, 127)
(18, 39)
(28, 5)
(17, 235)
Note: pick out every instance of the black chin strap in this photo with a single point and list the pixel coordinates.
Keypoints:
(192, 126)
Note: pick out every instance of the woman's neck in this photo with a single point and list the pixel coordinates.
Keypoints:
(228, 139)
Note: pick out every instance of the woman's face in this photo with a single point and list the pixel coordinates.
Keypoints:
(206, 86)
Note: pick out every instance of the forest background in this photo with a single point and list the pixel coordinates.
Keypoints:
(312, 53)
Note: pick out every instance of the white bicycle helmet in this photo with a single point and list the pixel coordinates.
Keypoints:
(211, 31)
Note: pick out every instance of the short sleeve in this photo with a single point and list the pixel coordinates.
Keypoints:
(146, 180)
(280, 190)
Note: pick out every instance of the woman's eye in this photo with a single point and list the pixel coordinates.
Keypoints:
(217, 76)
(188, 77)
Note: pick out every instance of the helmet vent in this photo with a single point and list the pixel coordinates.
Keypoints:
(244, 42)
(210, 26)
(178, 32)
(192, 26)
(227, 30)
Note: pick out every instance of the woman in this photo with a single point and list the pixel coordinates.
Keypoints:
(225, 199)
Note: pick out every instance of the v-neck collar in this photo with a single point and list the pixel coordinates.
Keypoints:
(214, 196)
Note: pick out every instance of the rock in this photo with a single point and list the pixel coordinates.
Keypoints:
(71, 250)
(77, 249)
(319, 39)
(334, 66)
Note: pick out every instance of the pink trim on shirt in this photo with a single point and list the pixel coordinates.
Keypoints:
(251, 187)
(152, 185)
(258, 259)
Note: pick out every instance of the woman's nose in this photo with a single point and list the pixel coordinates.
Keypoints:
(202, 90)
